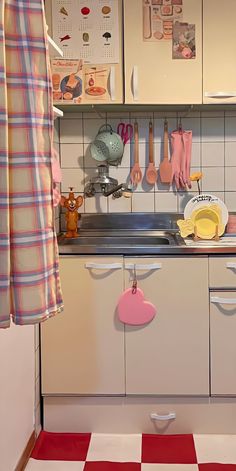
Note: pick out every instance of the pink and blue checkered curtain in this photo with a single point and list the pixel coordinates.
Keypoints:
(29, 277)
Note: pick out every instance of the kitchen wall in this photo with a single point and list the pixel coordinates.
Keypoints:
(213, 153)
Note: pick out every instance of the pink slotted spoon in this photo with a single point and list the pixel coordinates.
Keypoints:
(136, 173)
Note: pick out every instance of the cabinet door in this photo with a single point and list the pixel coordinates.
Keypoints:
(83, 347)
(151, 75)
(219, 52)
(223, 345)
(170, 355)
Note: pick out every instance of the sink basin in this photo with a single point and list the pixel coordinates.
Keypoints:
(120, 241)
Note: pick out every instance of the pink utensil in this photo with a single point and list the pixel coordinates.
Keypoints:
(165, 169)
(125, 131)
(151, 173)
(133, 309)
(136, 174)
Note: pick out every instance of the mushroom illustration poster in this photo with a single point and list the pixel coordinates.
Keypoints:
(159, 17)
(87, 30)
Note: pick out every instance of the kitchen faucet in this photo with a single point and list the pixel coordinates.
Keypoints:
(107, 185)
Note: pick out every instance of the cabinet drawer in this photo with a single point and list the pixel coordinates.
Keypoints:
(222, 272)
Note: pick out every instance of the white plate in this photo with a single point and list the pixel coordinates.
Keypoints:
(205, 200)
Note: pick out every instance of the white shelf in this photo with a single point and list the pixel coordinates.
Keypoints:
(54, 50)
(57, 113)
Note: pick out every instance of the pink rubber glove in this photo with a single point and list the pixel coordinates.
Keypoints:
(176, 157)
(57, 177)
(187, 138)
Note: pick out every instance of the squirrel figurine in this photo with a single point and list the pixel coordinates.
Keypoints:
(72, 216)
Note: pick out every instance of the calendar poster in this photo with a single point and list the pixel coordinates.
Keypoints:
(87, 30)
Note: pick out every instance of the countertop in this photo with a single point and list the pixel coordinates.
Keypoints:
(138, 234)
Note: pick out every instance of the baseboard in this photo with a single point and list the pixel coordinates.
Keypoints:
(26, 453)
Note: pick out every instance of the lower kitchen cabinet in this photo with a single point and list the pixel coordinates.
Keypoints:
(83, 347)
(223, 344)
(170, 355)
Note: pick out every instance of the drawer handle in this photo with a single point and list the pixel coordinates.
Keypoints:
(231, 265)
(104, 266)
(112, 83)
(222, 94)
(148, 266)
(135, 82)
(170, 416)
(217, 300)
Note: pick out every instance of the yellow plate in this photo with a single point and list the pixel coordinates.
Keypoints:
(206, 220)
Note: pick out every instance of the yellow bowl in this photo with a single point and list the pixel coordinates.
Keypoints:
(205, 220)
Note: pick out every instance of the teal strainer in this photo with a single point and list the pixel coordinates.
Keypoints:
(107, 145)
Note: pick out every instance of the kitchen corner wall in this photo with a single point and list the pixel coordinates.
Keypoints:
(213, 153)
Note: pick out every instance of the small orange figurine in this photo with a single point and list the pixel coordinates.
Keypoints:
(72, 216)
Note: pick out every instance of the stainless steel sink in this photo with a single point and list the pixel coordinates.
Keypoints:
(120, 240)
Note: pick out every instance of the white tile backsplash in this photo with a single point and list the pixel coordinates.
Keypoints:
(213, 153)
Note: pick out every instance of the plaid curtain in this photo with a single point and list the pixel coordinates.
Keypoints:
(29, 278)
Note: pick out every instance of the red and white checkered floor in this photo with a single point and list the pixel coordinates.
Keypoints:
(102, 452)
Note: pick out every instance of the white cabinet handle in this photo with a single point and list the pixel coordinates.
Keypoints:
(104, 266)
(135, 82)
(230, 265)
(148, 266)
(112, 83)
(222, 94)
(217, 300)
(170, 416)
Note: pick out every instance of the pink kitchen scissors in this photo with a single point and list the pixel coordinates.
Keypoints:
(125, 131)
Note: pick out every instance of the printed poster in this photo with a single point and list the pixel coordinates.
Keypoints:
(184, 43)
(87, 29)
(159, 17)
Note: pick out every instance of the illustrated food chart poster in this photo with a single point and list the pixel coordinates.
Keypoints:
(87, 29)
(159, 17)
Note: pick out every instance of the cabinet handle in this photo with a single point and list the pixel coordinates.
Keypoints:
(148, 266)
(170, 416)
(135, 82)
(230, 265)
(112, 83)
(217, 300)
(104, 266)
(226, 94)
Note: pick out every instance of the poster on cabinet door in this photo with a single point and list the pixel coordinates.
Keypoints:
(87, 29)
(67, 81)
(159, 17)
(184, 43)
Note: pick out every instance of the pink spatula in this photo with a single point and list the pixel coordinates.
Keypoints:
(165, 169)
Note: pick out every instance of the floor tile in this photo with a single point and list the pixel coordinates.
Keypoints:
(122, 448)
(112, 466)
(217, 467)
(36, 465)
(169, 467)
(168, 449)
(215, 448)
(61, 446)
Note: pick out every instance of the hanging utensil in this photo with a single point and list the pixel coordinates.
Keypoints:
(125, 131)
(136, 174)
(151, 174)
(107, 145)
(165, 169)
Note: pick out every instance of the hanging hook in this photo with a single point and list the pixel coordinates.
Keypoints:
(134, 285)
(180, 124)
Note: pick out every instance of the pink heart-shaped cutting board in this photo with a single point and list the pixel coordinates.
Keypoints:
(133, 309)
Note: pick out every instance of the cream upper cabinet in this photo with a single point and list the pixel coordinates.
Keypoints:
(219, 51)
(170, 355)
(151, 75)
(83, 347)
(223, 345)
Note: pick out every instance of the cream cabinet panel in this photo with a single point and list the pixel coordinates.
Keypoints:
(83, 347)
(151, 75)
(219, 51)
(222, 272)
(170, 355)
(223, 345)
